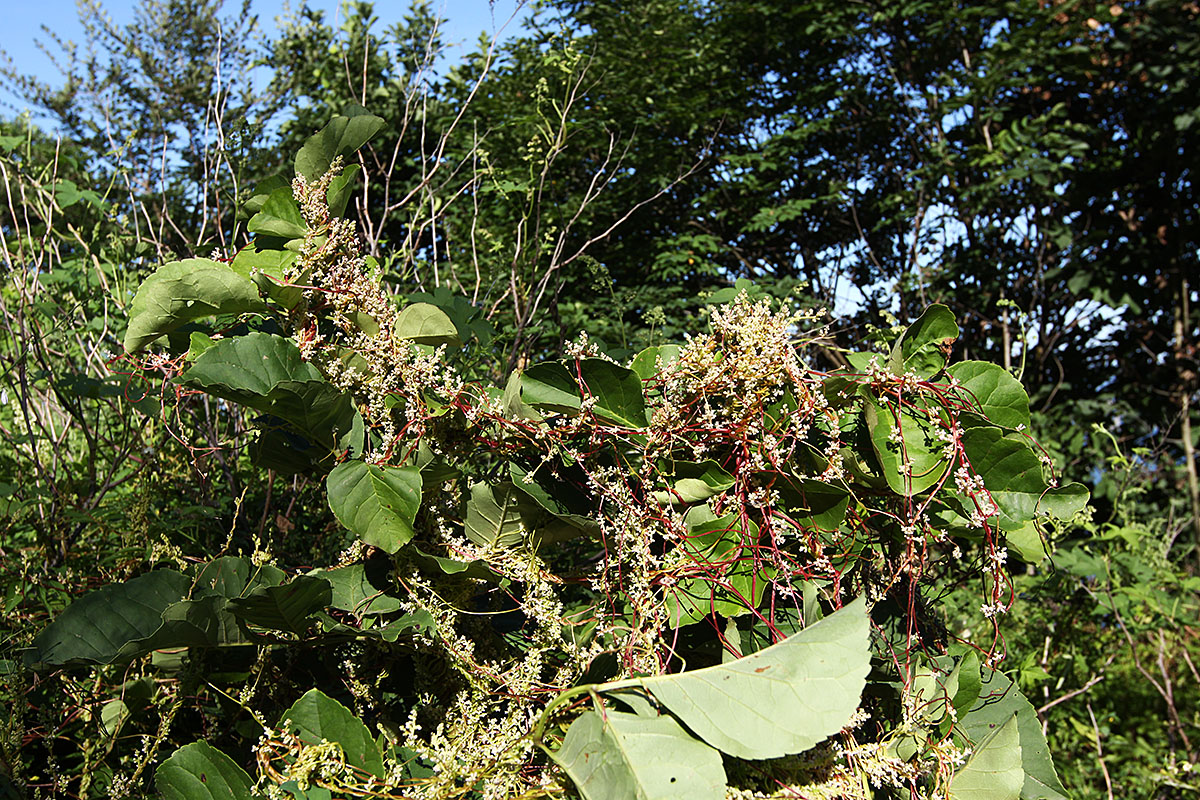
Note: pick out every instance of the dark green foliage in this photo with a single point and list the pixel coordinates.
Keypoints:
(1017, 178)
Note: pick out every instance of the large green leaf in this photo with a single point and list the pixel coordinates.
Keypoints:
(994, 391)
(266, 373)
(558, 497)
(183, 291)
(1015, 477)
(283, 608)
(993, 772)
(549, 387)
(316, 717)
(245, 368)
(494, 516)
(199, 771)
(617, 390)
(110, 624)
(912, 457)
(425, 323)
(693, 481)
(923, 346)
(378, 504)
(279, 216)
(812, 503)
(619, 756)
(354, 591)
(998, 702)
(781, 700)
(341, 137)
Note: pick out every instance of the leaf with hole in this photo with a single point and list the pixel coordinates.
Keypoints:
(199, 771)
(620, 756)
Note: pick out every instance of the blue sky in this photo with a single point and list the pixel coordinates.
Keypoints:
(23, 21)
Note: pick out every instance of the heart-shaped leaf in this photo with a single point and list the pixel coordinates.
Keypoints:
(378, 504)
(316, 717)
(199, 771)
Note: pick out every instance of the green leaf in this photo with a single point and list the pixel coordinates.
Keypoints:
(183, 291)
(648, 363)
(341, 137)
(998, 702)
(316, 717)
(378, 504)
(266, 373)
(244, 368)
(617, 390)
(233, 576)
(514, 407)
(923, 346)
(993, 772)
(425, 323)
(354, 591)
(279, 216)
(199, 771)
(286, 607)
(111, 623)
(1025, 541)
(619, 756)
(994, 391)
(549, 387)
(781, 700)
(813, 503)
(1015, 478)
(262, 191)
(340, 189)
(916, 462)
(562, 500)
(494, 516)
(694, 481)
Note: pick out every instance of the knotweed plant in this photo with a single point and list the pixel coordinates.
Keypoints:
(567, 569)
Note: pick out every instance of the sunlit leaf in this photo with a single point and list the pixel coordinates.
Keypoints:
(993, 771)
(183, 291)
(377, 504)
(199, 771)
(619, 756)
(781, 700)
(316, 717)
(618, 392)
